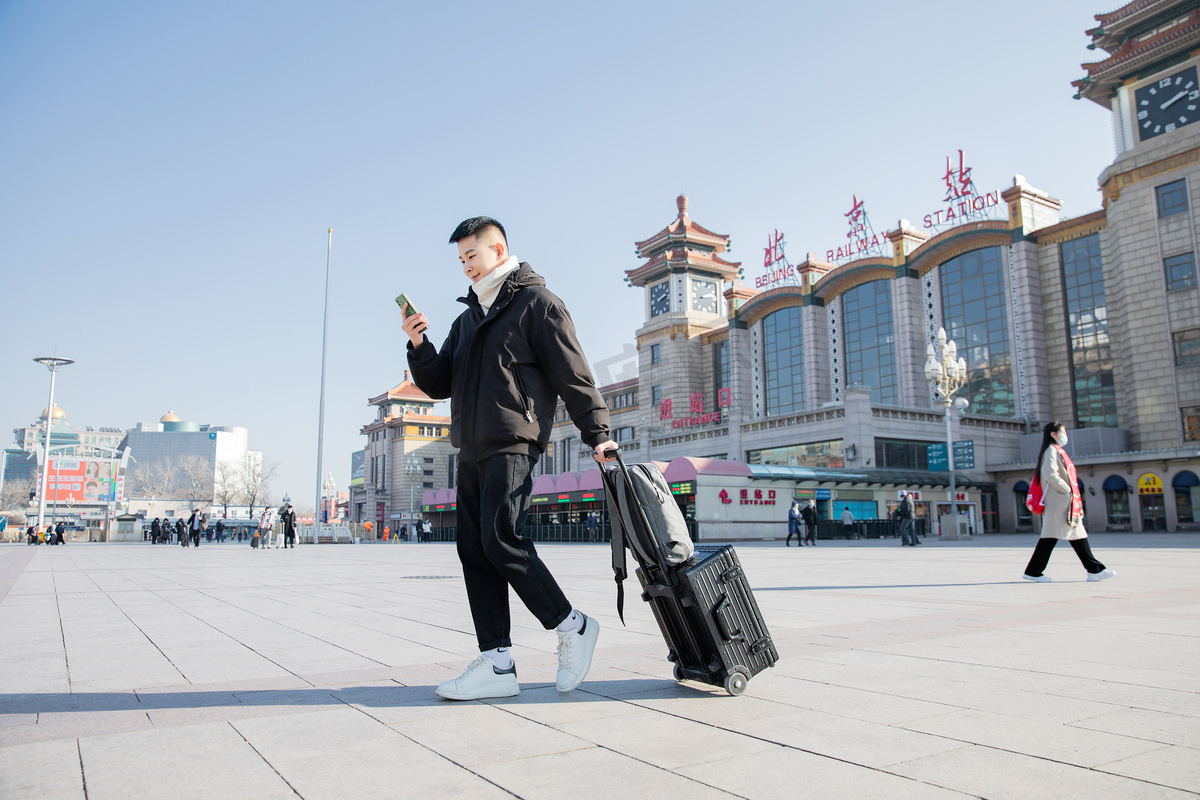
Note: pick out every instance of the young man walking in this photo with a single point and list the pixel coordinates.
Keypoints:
(507, 359)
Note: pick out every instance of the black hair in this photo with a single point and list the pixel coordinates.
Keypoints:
(475, 226)
(1047, 440)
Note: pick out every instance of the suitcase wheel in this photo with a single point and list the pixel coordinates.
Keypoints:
(735, 683)
(677, 671)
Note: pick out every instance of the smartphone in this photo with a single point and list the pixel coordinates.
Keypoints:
(408, 309)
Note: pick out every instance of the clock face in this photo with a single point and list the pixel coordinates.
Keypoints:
(704, 296)
(660, 298)
(1167, 104)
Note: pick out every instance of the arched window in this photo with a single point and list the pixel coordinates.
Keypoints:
(1024, 515)
(870, 339)
(1116, 500)
(783, 362)
(1187, 496)
(975, 315)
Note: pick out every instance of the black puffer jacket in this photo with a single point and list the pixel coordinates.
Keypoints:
(505, 371)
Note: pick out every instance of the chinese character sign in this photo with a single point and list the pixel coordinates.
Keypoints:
(725, 398)
(958, 181)
(696, 403)
(664, 409)
(855, 217)
(773, 252)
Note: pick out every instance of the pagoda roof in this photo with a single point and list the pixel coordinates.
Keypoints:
(682, 258)
(405, 390)
(1131, 51)
(682, 230)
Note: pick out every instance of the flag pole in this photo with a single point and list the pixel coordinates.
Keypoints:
(321, 415)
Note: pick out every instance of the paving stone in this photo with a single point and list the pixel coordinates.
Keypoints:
(314, 674)
(41, 769)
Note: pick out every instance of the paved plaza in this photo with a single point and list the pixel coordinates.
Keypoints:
(137, 671)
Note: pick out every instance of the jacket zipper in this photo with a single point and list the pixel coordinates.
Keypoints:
(522, 394)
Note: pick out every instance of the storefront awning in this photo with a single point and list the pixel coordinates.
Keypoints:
(1115, 483)
(1185, 479)
(882, 477)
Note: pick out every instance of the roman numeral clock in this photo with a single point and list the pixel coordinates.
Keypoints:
(1167, 103)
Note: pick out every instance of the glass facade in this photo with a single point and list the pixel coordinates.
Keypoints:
(901, 454)
(813, 454)
(975, 315)
(720, 370)
(1087, 330)
(870, 340)
(1171, 198)
(1181, 271)
(783, 362)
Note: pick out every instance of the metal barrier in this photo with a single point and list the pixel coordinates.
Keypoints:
(865, 529)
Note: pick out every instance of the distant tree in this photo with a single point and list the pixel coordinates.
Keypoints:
(154, 480)
(228, 489)
(256, 476)
(15, 495)
(196, 480)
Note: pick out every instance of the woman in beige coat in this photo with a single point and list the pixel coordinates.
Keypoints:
(1063, 516)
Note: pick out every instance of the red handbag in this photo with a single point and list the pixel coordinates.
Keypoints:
(1035, 498)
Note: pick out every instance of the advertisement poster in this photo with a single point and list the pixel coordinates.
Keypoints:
(358, 467)
(73, 480)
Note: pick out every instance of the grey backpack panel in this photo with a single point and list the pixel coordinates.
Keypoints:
(668, 542)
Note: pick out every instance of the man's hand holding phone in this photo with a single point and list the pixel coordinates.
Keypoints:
(415, 323)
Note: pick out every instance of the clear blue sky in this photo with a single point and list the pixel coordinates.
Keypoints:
(168, 172)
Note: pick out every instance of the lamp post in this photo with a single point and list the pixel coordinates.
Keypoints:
(51, 363)
(412, 468)
(946, 374)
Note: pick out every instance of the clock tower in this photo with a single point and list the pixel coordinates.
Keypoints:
(684, 279)
(1149, 80)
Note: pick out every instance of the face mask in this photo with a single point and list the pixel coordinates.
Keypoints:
(1062, 438)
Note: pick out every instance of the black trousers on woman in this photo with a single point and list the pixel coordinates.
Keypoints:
(1041, 556)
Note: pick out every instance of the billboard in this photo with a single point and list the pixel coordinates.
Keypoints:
(83, 481)
(358, 467)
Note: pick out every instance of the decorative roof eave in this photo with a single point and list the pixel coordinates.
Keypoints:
(854, 273)
(1114, 24)
(768, 301)
(1053, 233)
(405, 390)
(1104, 76)
(682, 230)
(663, 263)
(947, 244)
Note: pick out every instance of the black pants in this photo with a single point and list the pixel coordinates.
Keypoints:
(799, 534)
(195, 538)
(289, 539)
(1041, 556)
(493, 503)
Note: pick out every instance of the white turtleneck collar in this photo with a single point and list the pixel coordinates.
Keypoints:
(489, 285)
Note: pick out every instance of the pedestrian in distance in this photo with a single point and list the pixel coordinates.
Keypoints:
(848, 523)
(593, 528)
(155, 530)
(59, 530)
(1062, 515)
(808, 514)
(220, 530)
(505, 362)
(904, 513)
(289, 527)
(794, 523)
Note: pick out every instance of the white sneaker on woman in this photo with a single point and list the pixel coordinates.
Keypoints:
(1102, 575)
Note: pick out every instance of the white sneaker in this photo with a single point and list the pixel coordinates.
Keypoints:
(1102, 575)
(1040, 578)
(575, 653)
(481, 679)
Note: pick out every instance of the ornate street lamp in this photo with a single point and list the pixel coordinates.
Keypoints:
(412, 468)
(946, 374)
(51, 363)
